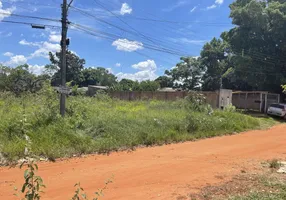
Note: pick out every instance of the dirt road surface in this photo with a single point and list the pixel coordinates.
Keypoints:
(165, 172)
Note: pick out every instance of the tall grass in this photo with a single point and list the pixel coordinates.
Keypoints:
(103, 125)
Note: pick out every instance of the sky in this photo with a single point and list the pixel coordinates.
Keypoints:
(134, 39)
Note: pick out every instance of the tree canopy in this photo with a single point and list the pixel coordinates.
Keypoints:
(19, 80)
(249, 56)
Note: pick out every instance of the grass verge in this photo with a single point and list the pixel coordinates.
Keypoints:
(265, 184)
(99, 125)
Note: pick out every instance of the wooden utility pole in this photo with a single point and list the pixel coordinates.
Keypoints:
(63, 57)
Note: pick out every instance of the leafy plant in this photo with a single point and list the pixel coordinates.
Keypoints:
(274, 164)
(80, 193)
(284, 88)
(230, 108)
(32, 188)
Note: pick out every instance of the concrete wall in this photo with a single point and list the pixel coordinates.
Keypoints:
(225, 98)
(258, 101)
(250, 101)
(212, 98)
(131, 96)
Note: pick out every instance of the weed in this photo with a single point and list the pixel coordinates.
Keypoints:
(101, 124)
(32, 188)
(274, 164)
(80, 193)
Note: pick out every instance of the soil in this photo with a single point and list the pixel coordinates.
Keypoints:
(166, 172)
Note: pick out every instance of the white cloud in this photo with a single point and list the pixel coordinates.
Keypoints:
(109, 70)
(146, 65)
(211, 7)
(55, 38)
(44, 50)
(16, 60)
(193, 9)
(216, 4)
(118, 65)
(219, 2)
(8, 54)
(139, 76)
(5, 12)
(188, 41)
(37, 69)
(180, 3)
(126, 45)
(147, 71)
(125, 9)
(26, 43)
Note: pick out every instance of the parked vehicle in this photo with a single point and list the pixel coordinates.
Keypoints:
(277, 110)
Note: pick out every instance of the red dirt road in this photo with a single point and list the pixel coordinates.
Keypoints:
(164, 172)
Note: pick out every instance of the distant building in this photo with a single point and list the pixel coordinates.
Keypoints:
(169, 89)
(93, 89)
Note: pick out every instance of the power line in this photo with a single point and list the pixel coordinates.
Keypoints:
(177, 22)
(30, 17)
(104, 37)
(30, 3)
(138, 32)
(113, 37)
(27, 23)
(105, 8)
(123, 29)
(30, 10)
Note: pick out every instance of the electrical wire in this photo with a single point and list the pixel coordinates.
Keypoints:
(113, 37)
(27, 23)
(123, 29)
(150, 39)
(30, 17)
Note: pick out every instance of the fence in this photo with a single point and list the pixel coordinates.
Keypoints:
(217, 99)
(254, 100)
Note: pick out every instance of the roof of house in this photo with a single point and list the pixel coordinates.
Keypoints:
(98, 87)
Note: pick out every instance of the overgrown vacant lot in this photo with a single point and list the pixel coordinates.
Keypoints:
(102, 124)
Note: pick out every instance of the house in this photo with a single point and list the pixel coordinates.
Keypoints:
(93, 89)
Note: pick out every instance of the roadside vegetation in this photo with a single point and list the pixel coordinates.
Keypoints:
(249, 186)
(264, 183)
(101, 124)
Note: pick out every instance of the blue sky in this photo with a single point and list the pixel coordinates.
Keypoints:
(137, 41)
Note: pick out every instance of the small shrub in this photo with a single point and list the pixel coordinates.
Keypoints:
(196, 101)
(230, 108)
(32, 188)
(274, 164)
(101, 95)
(80, 193)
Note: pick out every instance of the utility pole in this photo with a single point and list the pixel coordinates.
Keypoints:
(63, 58)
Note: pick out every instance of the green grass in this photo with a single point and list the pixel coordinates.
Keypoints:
(99, 125)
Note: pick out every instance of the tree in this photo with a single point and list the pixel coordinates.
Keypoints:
(150, 86)
(130, 85)
(19, 80)
(75, 65)
(215, 61)
(165, 81)
(187, 74)
(97, 76)
(258, 43)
